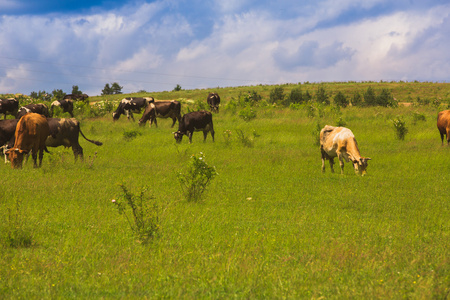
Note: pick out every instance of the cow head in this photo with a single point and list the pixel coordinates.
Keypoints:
(178, 136)
(360, 165)
(16, 157)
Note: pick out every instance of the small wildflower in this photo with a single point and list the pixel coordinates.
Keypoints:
(113, 200)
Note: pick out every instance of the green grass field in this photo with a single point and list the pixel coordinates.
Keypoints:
(271, 224)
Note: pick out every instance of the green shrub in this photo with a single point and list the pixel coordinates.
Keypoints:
(196, 178)
(277, 95)
(357, 99)
(386, 99)
(400, 127)
(370, 98)
(247, 114)
(141, 213)
(295, 97)
(418, 117)
(341, 100)
(16, 234)
(129, 135)
(322, 96)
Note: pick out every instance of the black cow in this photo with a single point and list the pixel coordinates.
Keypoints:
(7, 130)
(81, 97)
(65, 104)
(161, 109)
(132, 105)
(213, 101)
(39, 108)
(9, 106)
(195, 121)
(64, 132)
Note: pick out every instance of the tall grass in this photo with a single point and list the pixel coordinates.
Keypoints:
(272, 225)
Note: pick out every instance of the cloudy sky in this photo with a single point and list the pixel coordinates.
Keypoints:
(155, 45)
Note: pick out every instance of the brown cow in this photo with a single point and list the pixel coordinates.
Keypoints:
(31, 132)
(341, 143)
(39, 108)
(213, 100)
(161, 109)
(65, 132)
(443, 125)
(9, 106)
(195, 121)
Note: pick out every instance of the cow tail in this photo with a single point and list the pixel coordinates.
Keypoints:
(92, 141)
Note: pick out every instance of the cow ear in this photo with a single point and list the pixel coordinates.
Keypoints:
(367, 158)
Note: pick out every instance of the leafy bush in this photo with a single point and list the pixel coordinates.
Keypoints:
(400, 128)
(295, 97)
(251, 98)
(370, 98)
(143, 218)
(341, 100)
(247, 114)
(277, 95)
(386, 99)
(418, 117)
(322, 96)
(245, 140)
(357, 99)
(196, 179)
(128, 135)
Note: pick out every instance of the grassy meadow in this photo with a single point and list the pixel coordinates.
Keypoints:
(271, 225)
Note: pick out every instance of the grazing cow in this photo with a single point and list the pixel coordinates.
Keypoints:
(31, 132)
(341, 143)
(9, 106)
(65, 104)
(195, 121)
(64, 132)
(443, 125)
(161, 109)
(129, 106)
(7, 130)
(39, 108)
(213, 101)
(81, 97)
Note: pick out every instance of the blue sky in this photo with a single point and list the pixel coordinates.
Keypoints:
(155, 45)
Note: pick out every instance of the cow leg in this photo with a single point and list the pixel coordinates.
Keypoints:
(448, 137)
(212, 131)
(205, 133)
(156, 123)
(341, 162)
(323, 160)
(174, 120)
(331, 160)
(78, 152)
(41, 156)
(131, 115)
(190, 136)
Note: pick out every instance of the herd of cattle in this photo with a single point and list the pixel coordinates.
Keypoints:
(34, 130)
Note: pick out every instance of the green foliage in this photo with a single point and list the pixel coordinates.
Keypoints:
(251, 98)
(58, 94)
(400, 128)
(357, 99)
(247, 114)
(141, 213)
(76, 90)
(386, 99)
(295, 97)
(316, 134)
(114, 89)
(322, 95)
(129, 135)
(418, 117)
(341, 100)
(277, 95)
(244, 139)
(177, 88)
(16, 234)
(370, 99)
(196, 178)
(340, 122)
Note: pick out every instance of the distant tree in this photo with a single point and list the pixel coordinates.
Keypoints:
(307, 97)
(116, 88)
(322, 96)
(58, 94)
(341, 100)
(357, 99)
(277, 95)
(75, 90)
(44, 96)
(33, 95)
(370, 98)
(295, 96)
(177, 88)
(386, 99)
(107, 90)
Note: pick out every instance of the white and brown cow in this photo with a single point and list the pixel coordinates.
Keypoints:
(341, 143)
(39, 108)
(7, 130)
(31, 133)
(65, 132)
(213, 100)
(131, 105)
(195, 121)
(66, 105)
(161, 109)
(9, 106)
